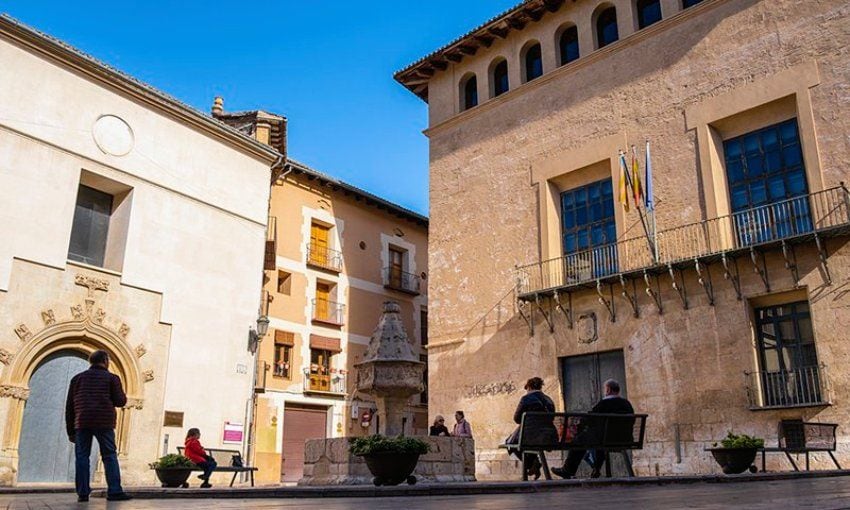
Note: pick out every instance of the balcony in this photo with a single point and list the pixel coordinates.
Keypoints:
(324, 258)
(332, 384)
(782, 224)
(801, 387)
(328, 312)
(270, 259)
(403, 282)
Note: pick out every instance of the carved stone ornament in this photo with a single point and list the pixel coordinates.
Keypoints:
(92, 283)
(78, 312)
(586, 326)
(23, 332)
(134, 403)
(6, 357)
(148, 375)
(123, 331)
(48, 317)
(17, 392)
(140, 350)
(98, 317)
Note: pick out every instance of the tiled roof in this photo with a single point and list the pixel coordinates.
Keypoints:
(415, 77)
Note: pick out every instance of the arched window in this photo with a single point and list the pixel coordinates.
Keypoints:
(533, 62)
(606, 27)
(468, 92)
(568, 45)
(648, 12)
(499, 78)
(689, 3)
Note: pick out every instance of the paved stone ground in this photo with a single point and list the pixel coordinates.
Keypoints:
(821, 494)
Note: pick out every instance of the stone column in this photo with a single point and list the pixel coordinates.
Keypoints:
(391, 411)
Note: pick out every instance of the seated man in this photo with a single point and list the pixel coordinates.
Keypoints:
(593, 431)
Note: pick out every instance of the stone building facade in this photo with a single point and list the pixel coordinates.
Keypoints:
(737, 319)
(130, 223)
(335, 254)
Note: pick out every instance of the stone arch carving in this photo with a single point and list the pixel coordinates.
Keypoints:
(84, 332)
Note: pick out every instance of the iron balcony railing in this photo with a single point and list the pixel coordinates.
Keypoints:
(799, 387)
(328, 311)
(779, 221)
(324, 257)
(333, 382)
(401, 281)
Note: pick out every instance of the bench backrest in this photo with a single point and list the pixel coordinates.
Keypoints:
(623, 431)
(222, 457)
(800, 435)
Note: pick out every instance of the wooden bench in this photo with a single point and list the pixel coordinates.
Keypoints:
(797, 436)
(617, 433)
(224, 459)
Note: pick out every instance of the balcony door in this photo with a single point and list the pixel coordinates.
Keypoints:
(319, 244)
(767, 184)
(396, 267)
(790, 374)
(323, 298)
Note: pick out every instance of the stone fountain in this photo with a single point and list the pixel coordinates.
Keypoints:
(391, 373)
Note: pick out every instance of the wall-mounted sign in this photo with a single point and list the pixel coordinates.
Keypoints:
(233, 432)
(173, 419)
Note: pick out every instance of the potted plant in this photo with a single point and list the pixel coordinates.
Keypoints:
(391, 460)
(737, 453)
(173, 470)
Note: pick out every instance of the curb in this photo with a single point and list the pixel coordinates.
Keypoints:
(462, 489)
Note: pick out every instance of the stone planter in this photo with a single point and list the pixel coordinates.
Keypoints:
(392, 468)
(735, 460)
(173, 477)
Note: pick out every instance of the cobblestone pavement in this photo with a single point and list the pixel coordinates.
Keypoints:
(821, 494)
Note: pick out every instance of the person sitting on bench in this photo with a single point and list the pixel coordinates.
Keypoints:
(593, 431)
(196, 453)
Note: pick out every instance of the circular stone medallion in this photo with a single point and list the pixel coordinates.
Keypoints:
(113, 136)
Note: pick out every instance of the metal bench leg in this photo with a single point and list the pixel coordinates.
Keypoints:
(542, 456)
(763, 465)
(607, 464)
(628, 463)
(522, 466)
(234, 478)
(252, 477)
(807, 461)
(792, 461)
(834, 460)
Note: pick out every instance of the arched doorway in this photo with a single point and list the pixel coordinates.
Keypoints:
(45, 455)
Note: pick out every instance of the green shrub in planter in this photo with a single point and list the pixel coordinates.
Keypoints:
(172, 461)
(741, 441)
(380, 444)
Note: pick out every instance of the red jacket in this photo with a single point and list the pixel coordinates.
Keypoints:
(194, 451)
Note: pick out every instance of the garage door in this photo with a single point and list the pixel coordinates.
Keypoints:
(299, 424)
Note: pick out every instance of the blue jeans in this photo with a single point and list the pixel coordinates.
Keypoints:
(208, 467)
(108, 453)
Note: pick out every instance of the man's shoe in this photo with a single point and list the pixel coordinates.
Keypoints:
(206, 485)
(561, 472)
(121, 496)
(595, 473)
(82, 499)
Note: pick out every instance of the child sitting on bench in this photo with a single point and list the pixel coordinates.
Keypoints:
(196, 453)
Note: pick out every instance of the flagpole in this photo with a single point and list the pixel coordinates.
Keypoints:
(649, 239)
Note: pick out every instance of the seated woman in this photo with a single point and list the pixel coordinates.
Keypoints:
(542, 431)
(196, 453)
(439, 427)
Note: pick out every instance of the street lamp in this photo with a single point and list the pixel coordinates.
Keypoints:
(254, 335)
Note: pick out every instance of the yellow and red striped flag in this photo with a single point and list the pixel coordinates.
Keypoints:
(624, 182)
(637, 189)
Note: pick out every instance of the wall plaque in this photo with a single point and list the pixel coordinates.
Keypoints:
(173, 419)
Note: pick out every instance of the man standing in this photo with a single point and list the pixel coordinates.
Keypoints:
(612, 403)
(90, 413)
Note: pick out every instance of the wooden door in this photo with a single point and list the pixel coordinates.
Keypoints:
(319, 244)
(323, 297)
(396, 267)
(300, 423)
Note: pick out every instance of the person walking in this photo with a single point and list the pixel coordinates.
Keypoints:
(90, 413)
(612, 403)
(196, 453)
(439, 427)
(542, 431)
(462, 427)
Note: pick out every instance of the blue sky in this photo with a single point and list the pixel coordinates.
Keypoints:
(327, 66)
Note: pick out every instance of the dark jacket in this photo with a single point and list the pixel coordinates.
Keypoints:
(439, 430)
(93, 396)
(614, 405)
(536, 401)
(537, 430)
(617, 430)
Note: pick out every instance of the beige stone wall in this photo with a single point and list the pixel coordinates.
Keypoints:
(495, 171)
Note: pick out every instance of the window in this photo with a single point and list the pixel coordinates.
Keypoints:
(648, 12)
(689, 3)
(589, 230)
(396, 269)
(320, 370)
(568, 45)
(606, 27)
(500, 78)
(284, 283)
(767, 184)
(283, 360)
(469, 92)
(423, 327)
(533, 62)
(787, 357)
(91, 226)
